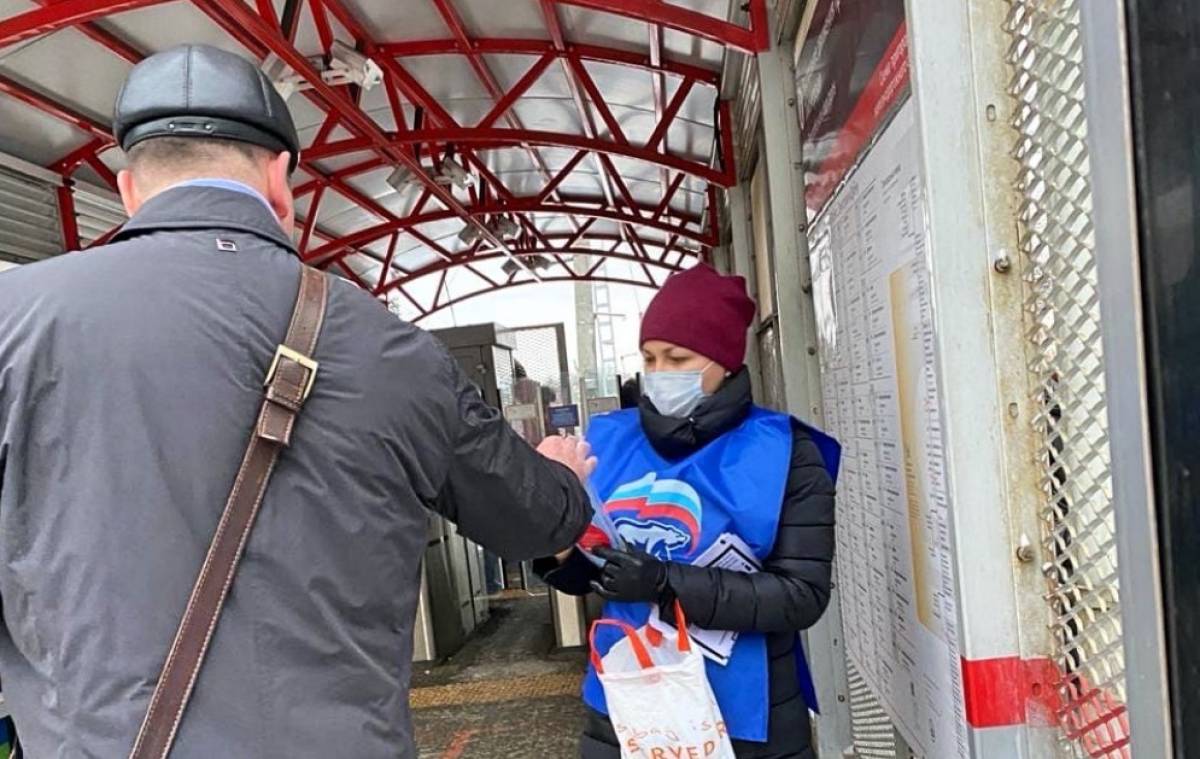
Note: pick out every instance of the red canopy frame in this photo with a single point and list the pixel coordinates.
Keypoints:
(438, 133)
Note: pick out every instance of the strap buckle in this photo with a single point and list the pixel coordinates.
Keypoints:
(310, 365)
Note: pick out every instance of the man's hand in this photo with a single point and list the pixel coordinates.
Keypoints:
(571, 452)
(629, 576)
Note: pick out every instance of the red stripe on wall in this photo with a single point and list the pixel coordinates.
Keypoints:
(1010, 691)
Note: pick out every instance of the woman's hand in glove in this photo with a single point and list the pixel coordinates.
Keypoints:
(630, 576)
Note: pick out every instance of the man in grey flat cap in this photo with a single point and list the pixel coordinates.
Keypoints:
(138, 445)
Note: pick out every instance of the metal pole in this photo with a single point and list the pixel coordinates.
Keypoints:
(793, 280)
(1110, 147)
(585, 326)
(797, 345)
(959, 81)
(741, 247)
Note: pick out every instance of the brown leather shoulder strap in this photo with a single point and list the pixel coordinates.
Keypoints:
(288, 383)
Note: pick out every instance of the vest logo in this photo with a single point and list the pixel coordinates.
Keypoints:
(660, 517)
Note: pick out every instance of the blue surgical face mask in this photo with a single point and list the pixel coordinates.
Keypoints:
(676, 394)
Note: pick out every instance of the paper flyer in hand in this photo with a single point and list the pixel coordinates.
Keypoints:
(727, 552)
(601, 532)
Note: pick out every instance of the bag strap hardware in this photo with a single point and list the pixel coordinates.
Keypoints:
(285, 354)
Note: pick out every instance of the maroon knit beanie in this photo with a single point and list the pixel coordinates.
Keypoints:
(704, 311)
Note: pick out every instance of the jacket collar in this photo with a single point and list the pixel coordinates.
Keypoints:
(203, 207)
(675, 438)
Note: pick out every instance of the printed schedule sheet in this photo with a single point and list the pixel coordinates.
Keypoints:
(895, 552)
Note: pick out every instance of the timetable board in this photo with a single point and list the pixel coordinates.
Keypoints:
(876, 335)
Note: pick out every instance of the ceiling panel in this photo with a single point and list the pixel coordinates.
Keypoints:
(160, 27)
(603, 28)
(508, 70)
(446, 77)
(33, 136)
(549, 115)
(393, 21)
(88, 85)
(520, 18)
(624, 85)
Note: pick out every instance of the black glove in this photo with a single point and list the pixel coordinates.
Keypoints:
(630, 576)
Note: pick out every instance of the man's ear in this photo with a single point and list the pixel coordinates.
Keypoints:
(130, 197)
(279, 191)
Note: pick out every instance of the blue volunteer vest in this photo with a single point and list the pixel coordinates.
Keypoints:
(676, 510)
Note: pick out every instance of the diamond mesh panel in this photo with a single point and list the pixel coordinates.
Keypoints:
(504, 375)
(1063, 320)
(540, 353)
(874, 735)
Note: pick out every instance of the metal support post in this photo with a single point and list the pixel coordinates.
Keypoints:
(964, 121)
(741, 247)
(793, 280)
(797, 344)
(1111, 150)
(585, 326)
(720, 259)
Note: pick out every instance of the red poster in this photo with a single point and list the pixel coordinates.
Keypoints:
(851, 72)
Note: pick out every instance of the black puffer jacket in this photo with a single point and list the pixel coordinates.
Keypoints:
(789, 595)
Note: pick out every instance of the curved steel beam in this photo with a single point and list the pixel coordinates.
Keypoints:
(574, 238)
(594, 53)
(437, 267)
(509, 285)
(51, 18)
(339, 248)
(751, 39)
(645, 249)
(493, 138)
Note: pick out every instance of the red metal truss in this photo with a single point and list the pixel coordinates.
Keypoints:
(101, 134)
(436, 134)
(60, 15)
(750, 39)
(253, 31)
(494, 139)
(424, 312)
(536, 47)
(340, 248)
(440, 266)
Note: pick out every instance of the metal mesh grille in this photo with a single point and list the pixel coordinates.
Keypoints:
(540, 351)
(1063, 321)
(504, 375)
(874, 735)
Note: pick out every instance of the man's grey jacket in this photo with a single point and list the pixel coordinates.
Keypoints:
(130, 376)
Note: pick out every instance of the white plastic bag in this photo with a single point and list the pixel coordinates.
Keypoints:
(658, 695)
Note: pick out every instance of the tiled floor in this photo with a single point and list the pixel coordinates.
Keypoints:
(506, 694)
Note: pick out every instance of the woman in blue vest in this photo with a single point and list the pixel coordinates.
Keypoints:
(696, 463)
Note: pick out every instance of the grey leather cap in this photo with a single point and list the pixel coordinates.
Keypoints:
(202, 91)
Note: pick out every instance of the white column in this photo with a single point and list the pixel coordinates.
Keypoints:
(964, 113)
(797, 334)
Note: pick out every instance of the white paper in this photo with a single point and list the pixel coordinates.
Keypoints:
(727, 552)
(895, 557)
